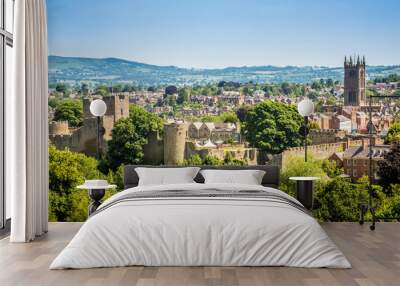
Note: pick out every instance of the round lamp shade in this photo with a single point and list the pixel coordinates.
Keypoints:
(98, 107)
(305, 107)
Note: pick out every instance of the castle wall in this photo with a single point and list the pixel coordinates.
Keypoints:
(117, 106)
(59, 128)
(84, 138)
(321, 152)
(325, 136)
(153, 150)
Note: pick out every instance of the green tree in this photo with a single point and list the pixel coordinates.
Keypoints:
(117, 88)
(84, 89)
(126, 145)
(66, 171)
(171, 99)
(338, 201)
(70, 110)
(241, 113)
(295, 166)
(102, 90)
(210, 118)
(273, 126)
(212, 161)
(183, 96)
(313, 125)
(129, 135)
(194, 160)
(229, 159)
(62, 88)
(285, 88)
(393, 133)
(53, 102)
(171, 89)
(389, 168)
(389, 206)
(329, 82)
(316, 85)
(313, 95)
(144, 121)
(331, 169)
(229, 117)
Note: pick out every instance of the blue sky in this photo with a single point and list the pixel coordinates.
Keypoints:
(220, 33)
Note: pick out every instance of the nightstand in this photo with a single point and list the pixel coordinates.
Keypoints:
(96, 190)
(305, 190)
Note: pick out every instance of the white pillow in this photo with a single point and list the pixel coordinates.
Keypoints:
(248, 177)
(166, 176)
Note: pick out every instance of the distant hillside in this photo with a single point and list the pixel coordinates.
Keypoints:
(75, 70)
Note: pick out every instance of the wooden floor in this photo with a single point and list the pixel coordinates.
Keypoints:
(375, 257)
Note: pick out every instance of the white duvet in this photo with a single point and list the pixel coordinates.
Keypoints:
(200, 231)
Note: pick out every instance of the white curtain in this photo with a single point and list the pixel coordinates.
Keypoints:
(27, 133)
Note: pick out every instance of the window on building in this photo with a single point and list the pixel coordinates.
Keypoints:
(6, 43)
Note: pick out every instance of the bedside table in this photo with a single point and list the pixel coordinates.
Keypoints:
(305, 190)
(96, 190)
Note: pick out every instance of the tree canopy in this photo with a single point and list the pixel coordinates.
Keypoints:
(273, 126)
(66, 171)
(229, 116)
(129, 135)
(63, 88)
(70, 110)
(389, 168)
(171, 89)
(210, 160)
(393, 133)
(338, 201)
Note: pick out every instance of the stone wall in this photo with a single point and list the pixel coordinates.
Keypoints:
(84, 138)
(322, 151)
(326, 136)
(59, 128)
(175, 135)
(153, 150)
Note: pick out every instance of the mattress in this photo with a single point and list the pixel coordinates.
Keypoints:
(201, 225)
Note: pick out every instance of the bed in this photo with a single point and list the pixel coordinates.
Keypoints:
(198, 224)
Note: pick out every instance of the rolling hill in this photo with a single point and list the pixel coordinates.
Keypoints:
(75, 70)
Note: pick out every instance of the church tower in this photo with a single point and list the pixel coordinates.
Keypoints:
(354, 81)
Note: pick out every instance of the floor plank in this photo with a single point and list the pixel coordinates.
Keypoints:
(375, 257)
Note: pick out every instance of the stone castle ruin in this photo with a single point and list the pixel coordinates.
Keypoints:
(84, 139)
(175, 146)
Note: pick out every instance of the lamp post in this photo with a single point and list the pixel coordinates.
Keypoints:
(305, 108)
(98, 108)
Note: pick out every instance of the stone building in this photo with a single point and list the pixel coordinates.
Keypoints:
(356, 159)
(234, 98)
(215, 131)
(341, 122)
(354, 82)
(84, 139)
